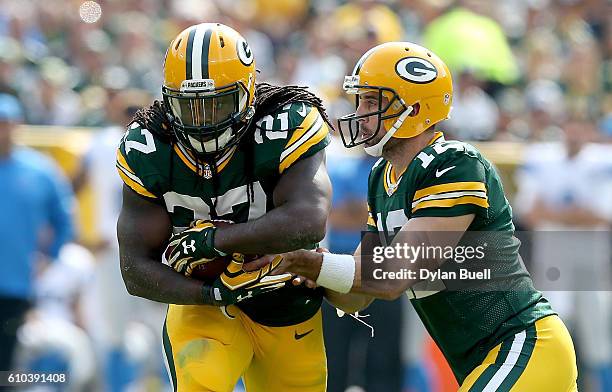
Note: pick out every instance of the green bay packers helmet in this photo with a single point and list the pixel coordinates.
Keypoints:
(209, 86)
(410, 77)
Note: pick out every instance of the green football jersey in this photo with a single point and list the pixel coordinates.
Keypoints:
(168, 174)
(451, 178)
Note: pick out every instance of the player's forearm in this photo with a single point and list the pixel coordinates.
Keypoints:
(143, 229)
(283, 229)
(343, 274)
(155, 281)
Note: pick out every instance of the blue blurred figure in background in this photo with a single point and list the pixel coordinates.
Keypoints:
(36, 206)
(348, 343)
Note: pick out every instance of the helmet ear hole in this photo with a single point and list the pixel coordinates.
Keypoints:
(415, 110)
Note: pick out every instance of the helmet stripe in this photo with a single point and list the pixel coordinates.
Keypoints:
(205, 50)
(362, 60)
(199, 55)
(188, 52)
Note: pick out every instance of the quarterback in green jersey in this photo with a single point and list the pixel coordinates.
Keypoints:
(221, 147)
(498, 333)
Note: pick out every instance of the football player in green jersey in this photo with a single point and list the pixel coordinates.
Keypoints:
(221, 147)
(497, 334)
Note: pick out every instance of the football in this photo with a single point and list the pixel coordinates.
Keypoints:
(209, 271)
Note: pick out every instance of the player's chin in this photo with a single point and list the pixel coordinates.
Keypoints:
(365, 136)
(370, 143)
(369, 139)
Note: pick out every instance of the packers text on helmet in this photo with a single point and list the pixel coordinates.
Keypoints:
(209, 86)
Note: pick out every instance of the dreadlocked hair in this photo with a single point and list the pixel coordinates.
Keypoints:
(268, 99)
(155, 119)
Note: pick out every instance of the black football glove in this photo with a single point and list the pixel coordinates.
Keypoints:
(192, 247)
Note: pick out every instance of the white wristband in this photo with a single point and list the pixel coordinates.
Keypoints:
(337, 272)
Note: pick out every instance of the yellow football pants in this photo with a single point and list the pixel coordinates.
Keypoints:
(208, 351)
(541, 359)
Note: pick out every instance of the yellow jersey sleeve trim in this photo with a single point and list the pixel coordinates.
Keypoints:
(304, 145)
(123, 162)
(450, 187)
(133, 184)
(446, 203)
(303, 127)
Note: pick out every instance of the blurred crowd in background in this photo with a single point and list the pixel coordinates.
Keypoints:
(527, 71)
(523, 66)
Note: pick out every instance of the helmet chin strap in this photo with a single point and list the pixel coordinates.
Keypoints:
(377, 149)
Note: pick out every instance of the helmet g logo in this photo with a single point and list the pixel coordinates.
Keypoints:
(416, 70)
(244, 52)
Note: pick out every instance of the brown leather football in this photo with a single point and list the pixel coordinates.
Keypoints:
(209, 271)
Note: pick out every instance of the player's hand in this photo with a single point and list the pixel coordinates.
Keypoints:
(192, 247)
(302, 281)
(267, 259)
(304, 263)
(235, 285)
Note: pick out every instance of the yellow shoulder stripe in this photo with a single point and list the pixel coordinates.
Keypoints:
(453, 202)
(304, 126)
(450, 187)
(123, 162)
(288, 160)
(136, 187)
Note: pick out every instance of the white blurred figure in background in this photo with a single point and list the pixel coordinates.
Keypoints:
(53, 338)
(124, 327)
(565, 198)
(546, 109)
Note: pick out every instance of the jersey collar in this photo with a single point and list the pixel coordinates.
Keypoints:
(437, 137)
(391, 182)
(190, 161)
